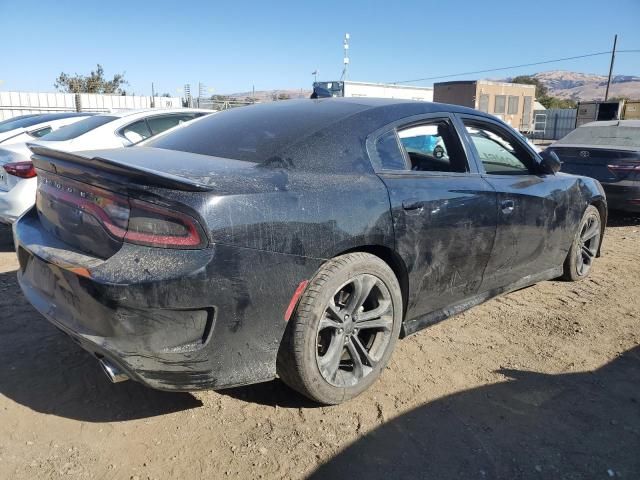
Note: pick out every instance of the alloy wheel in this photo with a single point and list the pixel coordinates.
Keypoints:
(354, 331)
(588, 244)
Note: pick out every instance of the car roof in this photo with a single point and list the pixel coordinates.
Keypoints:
(304, 134)
(400, 104)
(48, 117)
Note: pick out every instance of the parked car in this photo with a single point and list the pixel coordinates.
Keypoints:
(297, 239)
(17, 176)
(609, 152)
(26, 128)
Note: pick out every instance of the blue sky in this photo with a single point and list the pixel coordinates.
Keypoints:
(230, 46)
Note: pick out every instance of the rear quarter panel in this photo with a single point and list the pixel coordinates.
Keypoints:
(306, 214)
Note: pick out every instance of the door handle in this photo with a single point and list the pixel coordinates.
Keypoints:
(412, 204)
(507, 206)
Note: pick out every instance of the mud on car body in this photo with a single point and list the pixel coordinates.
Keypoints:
(297, 239)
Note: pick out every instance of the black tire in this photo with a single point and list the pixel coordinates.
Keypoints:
(328, 325)
(585, 246)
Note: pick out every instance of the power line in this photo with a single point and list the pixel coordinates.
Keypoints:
(515, 66)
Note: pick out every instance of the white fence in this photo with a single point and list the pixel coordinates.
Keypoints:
(21, 103)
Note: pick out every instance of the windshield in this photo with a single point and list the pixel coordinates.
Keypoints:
(609, 135)
(79, 128)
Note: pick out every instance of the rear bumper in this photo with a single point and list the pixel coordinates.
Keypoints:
(18, 200)
(624, 195)
(173, 320)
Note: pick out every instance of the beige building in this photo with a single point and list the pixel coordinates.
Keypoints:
(512, 102)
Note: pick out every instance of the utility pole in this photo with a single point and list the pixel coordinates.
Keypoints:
(153, 96)
(187, 94)
(345, 44)
(613, 57)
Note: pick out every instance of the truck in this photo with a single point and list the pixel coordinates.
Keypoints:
(343, 88)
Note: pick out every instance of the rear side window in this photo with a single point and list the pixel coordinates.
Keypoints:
(433, 146)
(160, 124)
(389, 154)
(41, 132)
(79, 128)
(136, 131)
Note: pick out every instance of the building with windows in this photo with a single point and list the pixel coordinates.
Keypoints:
(511, 102)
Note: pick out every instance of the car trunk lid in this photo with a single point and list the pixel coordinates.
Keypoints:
(94, 204)
(605, 165)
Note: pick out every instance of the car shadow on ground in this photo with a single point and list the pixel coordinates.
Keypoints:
(6, 239)
(43, 369)
(274, 393)
(617, 218)
(569, 426)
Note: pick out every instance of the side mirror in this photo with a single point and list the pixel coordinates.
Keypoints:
(550, 161)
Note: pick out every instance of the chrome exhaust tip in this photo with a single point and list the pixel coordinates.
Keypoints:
(113, 373)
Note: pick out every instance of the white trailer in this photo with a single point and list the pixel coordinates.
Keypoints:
(365, 89)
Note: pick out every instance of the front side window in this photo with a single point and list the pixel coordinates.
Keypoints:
(499, 154)
(433, 147)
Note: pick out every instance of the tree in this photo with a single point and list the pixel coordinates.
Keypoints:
(95, 82)
(541, 89)
(542, 93)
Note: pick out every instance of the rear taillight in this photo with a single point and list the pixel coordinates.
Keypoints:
(624, 167)
(160, 227)
(20, 169)
(126, 219)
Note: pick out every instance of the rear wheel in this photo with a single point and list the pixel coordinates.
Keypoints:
(344, 329)
(585, 246)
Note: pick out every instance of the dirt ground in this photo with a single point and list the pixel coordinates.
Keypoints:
(541, 383)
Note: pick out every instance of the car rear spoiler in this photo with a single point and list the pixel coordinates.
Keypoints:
(55, 161)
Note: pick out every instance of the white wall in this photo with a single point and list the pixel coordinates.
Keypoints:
(13, 104)
(354, 89)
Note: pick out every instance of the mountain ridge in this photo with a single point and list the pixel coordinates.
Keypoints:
(563, 84)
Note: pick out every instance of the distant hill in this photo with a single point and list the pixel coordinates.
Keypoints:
(563, 84)
(268, 95)
(584, 86)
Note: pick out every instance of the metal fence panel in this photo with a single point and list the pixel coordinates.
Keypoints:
(558, 122)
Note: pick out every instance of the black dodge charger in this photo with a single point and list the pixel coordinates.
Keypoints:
(297, 239)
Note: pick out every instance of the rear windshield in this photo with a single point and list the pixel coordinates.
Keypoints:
(255, 134)
(15, 119)
(26, 121)
(604, 136)
(79, 128)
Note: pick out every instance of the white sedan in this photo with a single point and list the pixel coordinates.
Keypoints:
(25, 128)
(18, 181)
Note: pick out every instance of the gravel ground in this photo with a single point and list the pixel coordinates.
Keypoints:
(540, 383)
